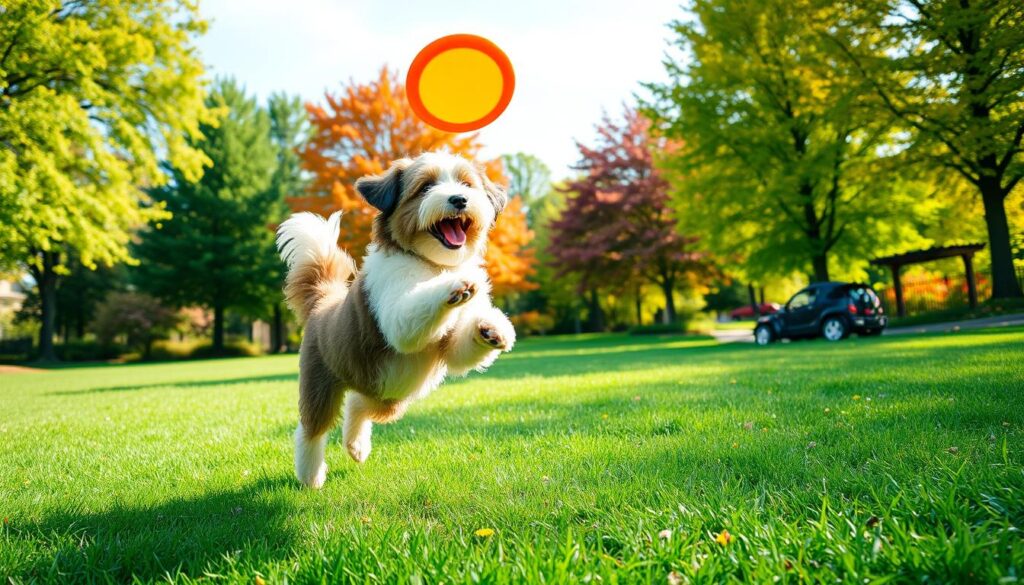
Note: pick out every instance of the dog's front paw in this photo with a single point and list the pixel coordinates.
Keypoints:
(493, 337)
(461, 292)
(359, 448)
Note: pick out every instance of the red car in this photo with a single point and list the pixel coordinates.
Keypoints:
(747, 311)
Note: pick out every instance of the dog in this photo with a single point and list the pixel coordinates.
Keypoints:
(379, 338)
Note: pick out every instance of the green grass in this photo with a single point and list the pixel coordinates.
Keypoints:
(865, 461)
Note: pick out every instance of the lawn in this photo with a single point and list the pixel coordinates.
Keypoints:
(604, 458)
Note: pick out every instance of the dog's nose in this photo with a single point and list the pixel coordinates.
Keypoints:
(457, 201)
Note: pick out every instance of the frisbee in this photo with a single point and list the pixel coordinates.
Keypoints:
(460, 83)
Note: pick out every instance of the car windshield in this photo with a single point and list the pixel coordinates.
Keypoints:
(801, 299)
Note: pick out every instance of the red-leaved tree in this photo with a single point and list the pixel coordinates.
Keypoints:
(618, 226)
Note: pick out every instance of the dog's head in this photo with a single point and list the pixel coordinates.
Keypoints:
(438, 206)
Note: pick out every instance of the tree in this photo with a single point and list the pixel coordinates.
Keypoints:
(359, 132)
(289, 132)
(528, 176)
(950, 71)
(619, 226)
(510, 260)
(91, 95)
(215, 251)
(140, 318)
(779, 158)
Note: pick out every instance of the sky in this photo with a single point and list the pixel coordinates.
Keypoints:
(573, 59)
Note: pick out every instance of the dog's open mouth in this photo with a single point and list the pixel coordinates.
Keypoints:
(451, 231)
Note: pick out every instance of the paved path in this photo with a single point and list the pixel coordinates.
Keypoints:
(997, 321)
(744, 336)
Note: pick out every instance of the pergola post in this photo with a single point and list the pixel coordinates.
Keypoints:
(901, 306)
(972, 286)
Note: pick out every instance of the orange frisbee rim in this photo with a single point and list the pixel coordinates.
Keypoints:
(442, 45)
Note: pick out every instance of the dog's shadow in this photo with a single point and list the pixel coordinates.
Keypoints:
(182, 536)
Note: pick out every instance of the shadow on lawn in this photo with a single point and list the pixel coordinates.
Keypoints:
(182, 384)
(183, 535)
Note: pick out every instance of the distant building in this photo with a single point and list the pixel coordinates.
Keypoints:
(11, 298)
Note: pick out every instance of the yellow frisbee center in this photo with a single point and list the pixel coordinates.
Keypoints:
(461, 85)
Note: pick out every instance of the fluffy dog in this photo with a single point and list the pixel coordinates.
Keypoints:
(418, 310)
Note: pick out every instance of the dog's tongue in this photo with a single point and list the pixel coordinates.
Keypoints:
(452, 231)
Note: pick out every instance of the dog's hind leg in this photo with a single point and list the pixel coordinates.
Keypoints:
(320, 397)
(360, 414)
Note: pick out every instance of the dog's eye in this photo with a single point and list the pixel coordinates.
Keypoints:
(466, 184)
(425, 187)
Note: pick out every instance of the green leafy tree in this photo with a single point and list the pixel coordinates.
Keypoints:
(216, 250)
(777, 162)
(92, 94)
(950, 71)
(528, 176)
(289, 132)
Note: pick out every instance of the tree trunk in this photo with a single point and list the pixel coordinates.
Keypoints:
(1004, 277)
(667, 288)
(819, 263)
(753, 300)
(218, 329)
(639, 306)
(46, 280)
(276, 330)
(80, 322)
(595, 316)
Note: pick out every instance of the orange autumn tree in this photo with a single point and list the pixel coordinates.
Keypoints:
(359, 132)
(510, 260)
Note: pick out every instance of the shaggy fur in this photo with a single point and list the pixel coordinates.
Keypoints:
(417, 311)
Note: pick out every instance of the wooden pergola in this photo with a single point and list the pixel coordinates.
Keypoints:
(966, 252)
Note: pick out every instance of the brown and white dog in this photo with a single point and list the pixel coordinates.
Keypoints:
(418, 310)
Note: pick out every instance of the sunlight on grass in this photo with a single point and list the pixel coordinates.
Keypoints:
(825, 462)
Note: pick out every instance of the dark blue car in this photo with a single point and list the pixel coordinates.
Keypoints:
(832, 310)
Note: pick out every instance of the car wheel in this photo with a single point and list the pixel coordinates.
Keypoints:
(834, 328)
(763, 335)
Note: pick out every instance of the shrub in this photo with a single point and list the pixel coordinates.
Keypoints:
(532, 323)
(172, 350)
(139, 318)
(89, 351)
(233, 349)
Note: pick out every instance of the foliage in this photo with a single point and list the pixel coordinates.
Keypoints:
(724, 296)
(195, 321)
(578, 452)
(359, 132)
(950, 73)
(618, 226)
(779, 158)
(528, 176)
(91, 95)
(532, 323)
(510, 259)
(139, 318)
(557, 295)
(90, 350)
(217, 249)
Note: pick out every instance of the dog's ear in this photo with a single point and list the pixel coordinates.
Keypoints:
(383, 191)
(496, 193)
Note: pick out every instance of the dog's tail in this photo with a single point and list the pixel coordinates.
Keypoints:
(318, 269)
